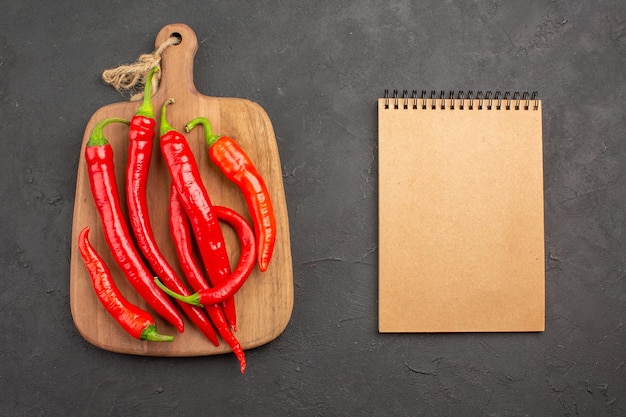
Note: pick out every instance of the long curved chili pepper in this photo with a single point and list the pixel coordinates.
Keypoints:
(237, 166)
(137, 322)
(194, 197)
(181, 234)
(141, 135)
(99, 156)
(247, 260)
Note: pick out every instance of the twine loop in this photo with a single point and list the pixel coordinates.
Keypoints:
(131, 78)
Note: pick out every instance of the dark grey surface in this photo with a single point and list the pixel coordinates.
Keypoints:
(317, 69)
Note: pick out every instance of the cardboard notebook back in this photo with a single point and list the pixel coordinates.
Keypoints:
(461, 233)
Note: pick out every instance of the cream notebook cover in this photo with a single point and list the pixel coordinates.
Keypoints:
(461, 232)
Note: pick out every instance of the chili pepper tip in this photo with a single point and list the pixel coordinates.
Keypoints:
(192, 299)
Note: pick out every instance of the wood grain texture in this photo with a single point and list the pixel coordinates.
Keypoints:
(265, 302)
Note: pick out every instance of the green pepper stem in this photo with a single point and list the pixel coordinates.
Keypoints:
(150, 334)
(97, 134)
(211, 138)
(146, 109)
(165, 125)
(193, 299)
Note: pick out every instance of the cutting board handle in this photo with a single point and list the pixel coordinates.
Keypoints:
(177, 62)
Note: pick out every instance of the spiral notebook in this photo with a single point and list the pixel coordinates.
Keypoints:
(461, 232)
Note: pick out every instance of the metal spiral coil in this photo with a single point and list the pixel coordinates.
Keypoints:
(461, 100)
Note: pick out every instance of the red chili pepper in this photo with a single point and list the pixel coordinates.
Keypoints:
(99, 156)
(193, 196)
(247, 259)
(141, 135)
(181, 234)
(137, 322)
(238, 168)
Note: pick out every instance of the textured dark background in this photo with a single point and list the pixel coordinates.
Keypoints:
(317, 68)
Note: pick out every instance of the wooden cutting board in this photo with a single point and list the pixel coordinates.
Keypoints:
(265, 302)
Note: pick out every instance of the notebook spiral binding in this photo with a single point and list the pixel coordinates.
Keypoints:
(489, 101)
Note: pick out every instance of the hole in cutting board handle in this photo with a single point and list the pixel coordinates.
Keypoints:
(178, 36)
